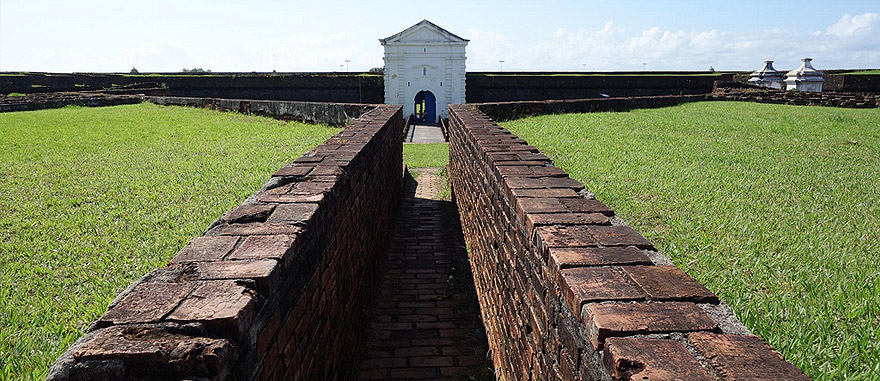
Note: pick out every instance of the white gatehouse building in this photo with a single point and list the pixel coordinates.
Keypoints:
(425, 70)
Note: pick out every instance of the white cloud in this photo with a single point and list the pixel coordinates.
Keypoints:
(862, 24)
(853, 41)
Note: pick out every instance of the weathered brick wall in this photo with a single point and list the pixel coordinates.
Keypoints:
(568, 291)
(32, 102)
(314, 112)
(802, 98)
(502, 87)
(512, 110)
(276, 289)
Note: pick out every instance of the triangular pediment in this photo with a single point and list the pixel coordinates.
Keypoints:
(423, 32)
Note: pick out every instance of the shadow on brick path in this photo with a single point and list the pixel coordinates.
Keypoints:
(425, 322)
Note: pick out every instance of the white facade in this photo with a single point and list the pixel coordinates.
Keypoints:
(805, 78)
(767, 76)
(425, 58)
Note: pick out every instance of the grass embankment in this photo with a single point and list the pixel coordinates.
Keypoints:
(429, 155)
(93, 198)
(864, 72)
(775, 208)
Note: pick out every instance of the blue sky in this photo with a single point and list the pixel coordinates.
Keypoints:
(113, 36)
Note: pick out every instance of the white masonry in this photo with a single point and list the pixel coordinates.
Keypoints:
(425, 63)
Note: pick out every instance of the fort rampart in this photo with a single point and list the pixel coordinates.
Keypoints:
(568, 291)
(276, 288)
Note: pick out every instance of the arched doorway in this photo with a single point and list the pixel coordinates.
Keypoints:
(426, 106)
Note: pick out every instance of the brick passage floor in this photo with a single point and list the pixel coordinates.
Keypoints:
(426, 321)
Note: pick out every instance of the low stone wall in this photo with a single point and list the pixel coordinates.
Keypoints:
(337, 114)
(277, 288)
(801, 98)
(568, 291)
(33, 102)
(513, 110)
(489, 87)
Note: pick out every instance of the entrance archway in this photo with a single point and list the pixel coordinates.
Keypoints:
(426, 106)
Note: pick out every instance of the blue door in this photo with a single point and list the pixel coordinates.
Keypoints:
(426, 106)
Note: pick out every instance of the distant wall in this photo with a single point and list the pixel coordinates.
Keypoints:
(362, 88)
(567, 291)
(524, 86)
(314, 112)
(799, 98)
(315, 87)
(860, 83)
(277, 288)
(41, 101)
(511, 110)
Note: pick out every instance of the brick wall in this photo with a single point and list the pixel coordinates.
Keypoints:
(568, 291)
(495, 87)
(512, 110)
(32, 102)
(802, 98)
(313, 112)
(277, 288)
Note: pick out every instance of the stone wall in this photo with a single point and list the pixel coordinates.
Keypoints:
(801, 98)
(313, 87)
(336, 114)
(364, 88)
(32, 102)
(526, 87)
(277, 288)
(513, 110)
(568, 291)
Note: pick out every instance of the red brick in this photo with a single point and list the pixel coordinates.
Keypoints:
(545, 192)
(744, 357)
(326, 170)
(533, 220)
(593, 284)
(669, 283)
(261, 270)
(147, 302)
(651, 359)
(290, 198)
(431, 361)
(293, 213)
(562, 258)
(296, 169)
(152, 351)
(538, 205)
(513, 182)
(583, 205)
(248, 213)
(374, 374)
(205, 249)
(225, 307)
(619, 236)
(625, 319)
(311, 188)
(264, 247)
(411, 373)
(260, 228)
(565, 236)
(384, 363)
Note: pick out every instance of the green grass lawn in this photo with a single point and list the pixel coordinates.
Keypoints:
(775, 208)
(429, 155)
(426, 155)
(93, 198)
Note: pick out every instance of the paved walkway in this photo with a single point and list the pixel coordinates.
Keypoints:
(422, 133)
(426, 320)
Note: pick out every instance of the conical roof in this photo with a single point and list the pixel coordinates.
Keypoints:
(806, 72)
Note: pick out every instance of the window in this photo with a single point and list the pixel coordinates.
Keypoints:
(424, 71)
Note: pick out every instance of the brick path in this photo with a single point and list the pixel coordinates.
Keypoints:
(426, 321)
